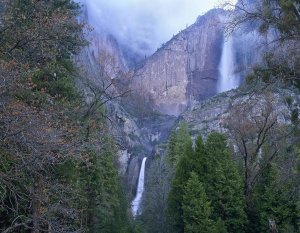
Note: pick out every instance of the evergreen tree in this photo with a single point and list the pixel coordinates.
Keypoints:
(182, 138)
(103, 197)
(212, 163)
(223, 184)
(171, 146)
(196, 207)
(199, 158)
(273, 203)
(182, 174)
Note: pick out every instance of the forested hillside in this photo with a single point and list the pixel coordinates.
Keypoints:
(209, 192)
(76, 123)
(246, 177)
(58, 161)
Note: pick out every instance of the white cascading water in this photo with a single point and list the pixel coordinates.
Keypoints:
(227, 80)
(140, 189)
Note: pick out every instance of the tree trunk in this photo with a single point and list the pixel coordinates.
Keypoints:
(272, 226)
(246, 188)
(36, 204)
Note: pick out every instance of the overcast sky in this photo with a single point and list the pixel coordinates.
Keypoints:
(146, 24)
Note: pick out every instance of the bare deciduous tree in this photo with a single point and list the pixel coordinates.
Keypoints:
(256, 132)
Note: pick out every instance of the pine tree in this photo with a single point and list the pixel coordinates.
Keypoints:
(182, 174)
(171, 146)
(272, 203)
(199, 158)
(102, 192)
(182, 139)
(212, 163)
(196, 207)
(223, 184)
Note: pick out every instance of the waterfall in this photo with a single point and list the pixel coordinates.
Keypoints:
(227, 79)
(140, 189)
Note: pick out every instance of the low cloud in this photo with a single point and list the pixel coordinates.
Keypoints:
(144, 25)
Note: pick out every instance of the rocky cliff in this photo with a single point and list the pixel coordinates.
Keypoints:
(101, 64)
(213, 114)
(178, 77)
(185, 69)
(136, 137)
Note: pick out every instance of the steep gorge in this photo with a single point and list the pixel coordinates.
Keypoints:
(187, 70)
(187, 140)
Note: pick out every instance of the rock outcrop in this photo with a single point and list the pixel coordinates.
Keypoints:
(185, 69)
(179, 76)
(135, 136)
(212, 114)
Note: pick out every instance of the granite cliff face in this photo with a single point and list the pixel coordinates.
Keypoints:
(212, 114)
(177, 78)
(102, 63)
(185, 69)
(103, 51)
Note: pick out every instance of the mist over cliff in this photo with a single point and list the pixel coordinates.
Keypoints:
(143, 26)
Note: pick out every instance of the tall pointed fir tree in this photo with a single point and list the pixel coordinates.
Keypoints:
(182, 174)
(273, 206)
(196, 207)
(223, 184)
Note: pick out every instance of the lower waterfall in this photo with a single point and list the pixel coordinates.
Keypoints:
(140, 189)
(227, 79)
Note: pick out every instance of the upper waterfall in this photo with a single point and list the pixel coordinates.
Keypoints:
(227, 79)
(140, 189)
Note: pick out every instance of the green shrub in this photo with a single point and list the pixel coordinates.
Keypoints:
(32, 98)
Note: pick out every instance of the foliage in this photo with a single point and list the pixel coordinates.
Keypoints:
(271, 201)
(182, 174)
(211, 162)
(268, 152)
(37, 40)
(208, 188)
(55, 80)
(224, 185)
(58, 169)
(196, 207)
(177, 143)
(101, 192)
(281, 20)
(40, 32)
